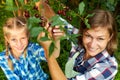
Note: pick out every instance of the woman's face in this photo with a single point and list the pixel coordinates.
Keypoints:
(95, 40)
(18, 41)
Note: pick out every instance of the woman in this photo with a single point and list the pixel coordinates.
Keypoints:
(93, 57)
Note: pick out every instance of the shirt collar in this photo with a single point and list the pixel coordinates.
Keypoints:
(99, 57)
(82, 66)
(14, 60)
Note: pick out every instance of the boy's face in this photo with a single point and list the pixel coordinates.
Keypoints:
(95, 40)
(18, 41)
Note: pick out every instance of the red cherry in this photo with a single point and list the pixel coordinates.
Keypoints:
(37, 15)
(63, 13)
(67, 8)
(46, 1)
(59, 12)
(42, 17)
(35, 8)
(50, 23)
(42, 24)
(26, 14)
(69, 18)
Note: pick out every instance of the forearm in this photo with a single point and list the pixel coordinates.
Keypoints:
(56, 51)
(55, 70)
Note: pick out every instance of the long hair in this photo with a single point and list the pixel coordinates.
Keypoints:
(102, 18)
(14, 23)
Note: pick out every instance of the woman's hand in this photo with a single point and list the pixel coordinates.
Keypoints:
(47, 43)
(55, 33)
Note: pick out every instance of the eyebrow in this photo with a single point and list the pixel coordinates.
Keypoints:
(98, 36)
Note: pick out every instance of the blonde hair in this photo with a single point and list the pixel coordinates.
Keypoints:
(10, 24)
(14, 23)
(20, 22)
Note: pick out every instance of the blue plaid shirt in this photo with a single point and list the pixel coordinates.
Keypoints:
(26, 68)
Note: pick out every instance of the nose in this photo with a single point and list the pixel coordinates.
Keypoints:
(19, 43)
(92, 43)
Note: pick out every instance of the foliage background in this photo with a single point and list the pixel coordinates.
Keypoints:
(71, 15)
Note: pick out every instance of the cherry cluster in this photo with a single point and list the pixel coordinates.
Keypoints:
(64, 12)
(47, 1)
(26, 14)
(43, 20)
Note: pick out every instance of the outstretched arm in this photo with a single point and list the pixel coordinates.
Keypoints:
(54, 68)
(47, 12)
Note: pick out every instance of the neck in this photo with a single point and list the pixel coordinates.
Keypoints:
(15, 54)
(86, 56)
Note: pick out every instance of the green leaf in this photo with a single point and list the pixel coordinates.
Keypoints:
(75, 35)
(1, 6)
(51, 48)
(111, 1)
(86, 20)
(10, 5)
(35, 31)
(110, 6)
(73, 38)
(81, 8)
(63, 38)
(32, 21)
(9, 2)
(21, 2)
(44, 38)
(36, 0)
(86, 23)
(90, 15)
(56, 21)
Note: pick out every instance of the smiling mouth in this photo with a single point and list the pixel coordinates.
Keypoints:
(21, 48)
(92, 49)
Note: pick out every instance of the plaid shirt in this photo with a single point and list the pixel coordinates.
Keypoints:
(100, 67)
(26, 68)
